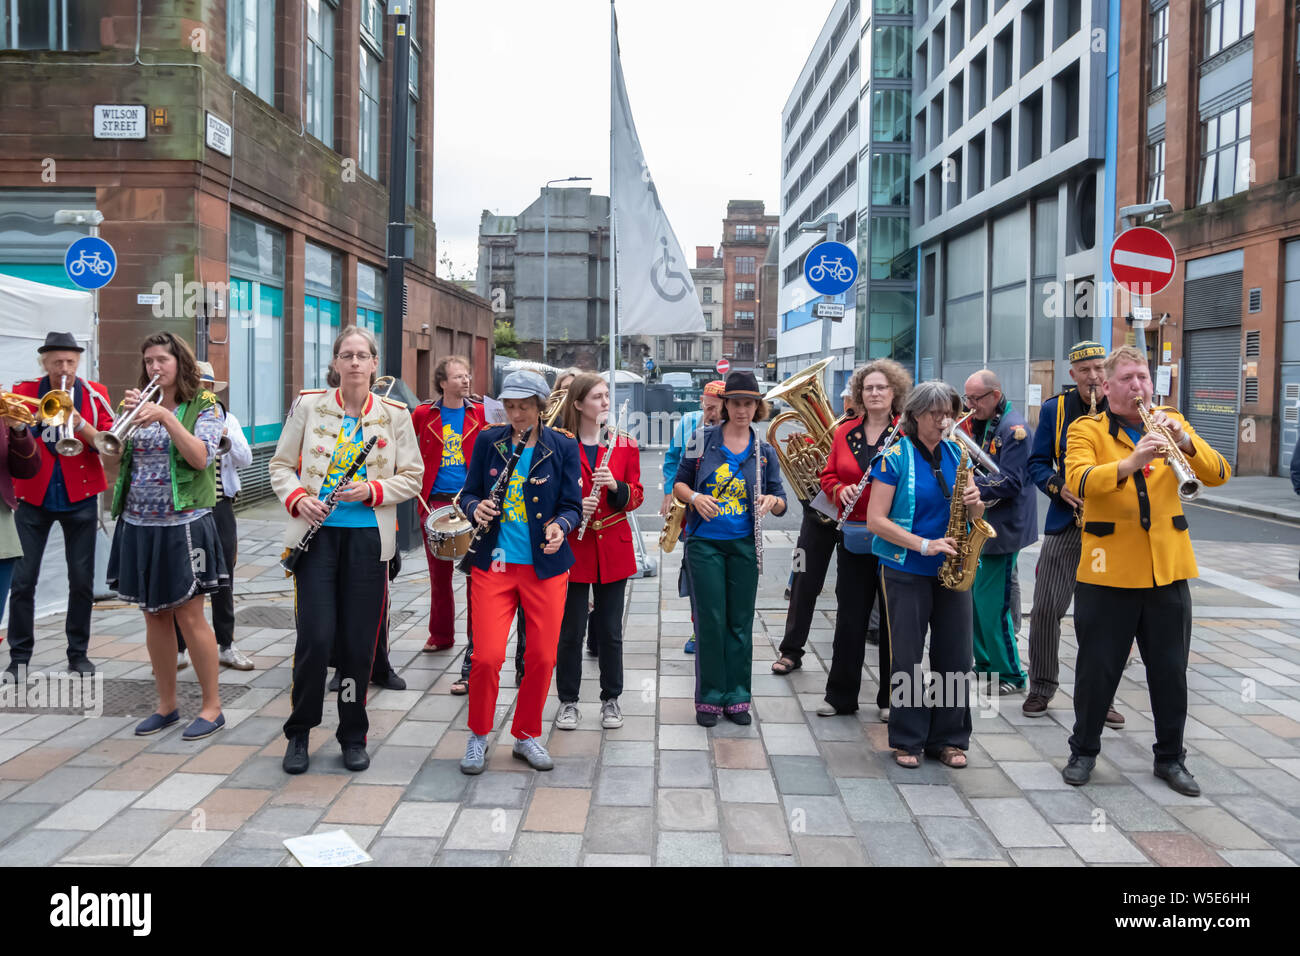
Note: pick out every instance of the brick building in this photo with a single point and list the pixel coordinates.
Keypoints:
(1208, 120)
(285, 236)
(746, 232)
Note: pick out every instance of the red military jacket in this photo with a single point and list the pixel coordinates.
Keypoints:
(427, 419)
(850, 456)
(83, 474)
(605, 552)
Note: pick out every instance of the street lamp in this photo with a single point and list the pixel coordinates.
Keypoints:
(546, 248)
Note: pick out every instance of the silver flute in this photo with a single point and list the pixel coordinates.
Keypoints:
(604, 460)
(977, 454)
(866, 477)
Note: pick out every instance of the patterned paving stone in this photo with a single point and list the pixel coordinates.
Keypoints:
(687, 810)
(625, 787)
(1100, 844)
(802, 775)
(620, 830)
(559, 810)
(123, 838)
(89, 810)
(895, 844)
(683, 768)
(1014, 823)
(755, 828)
(183, 848)
(689, 849)
(957, 838)
(746, 786)
(547, 849)
(933, 800)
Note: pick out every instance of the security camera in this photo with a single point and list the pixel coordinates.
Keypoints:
(1160, 207)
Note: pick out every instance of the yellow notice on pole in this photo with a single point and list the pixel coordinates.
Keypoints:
(401, 29)
(1167, 352)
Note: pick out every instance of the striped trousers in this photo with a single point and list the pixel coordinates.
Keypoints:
(1054, 579)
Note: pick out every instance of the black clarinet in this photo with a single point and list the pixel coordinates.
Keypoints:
(497, 495)
(289, 560)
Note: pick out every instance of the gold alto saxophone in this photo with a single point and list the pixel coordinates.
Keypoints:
(1189, 486)
(958, 571)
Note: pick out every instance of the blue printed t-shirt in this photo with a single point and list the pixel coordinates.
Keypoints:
(451, 470)
(514, 539)
(931, 506)
(735, 519)
(347, 514)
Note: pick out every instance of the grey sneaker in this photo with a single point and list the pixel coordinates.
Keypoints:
(531, 750)
(233, 657)
(611, 715)
(475, 754)
(568, 717)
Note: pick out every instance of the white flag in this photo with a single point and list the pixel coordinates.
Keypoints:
(655, 293)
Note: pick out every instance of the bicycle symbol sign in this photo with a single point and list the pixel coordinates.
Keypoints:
(830, 268)
(90, 262)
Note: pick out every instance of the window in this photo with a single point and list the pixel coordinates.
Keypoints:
(769, 231)
(372, 22)
(1159, 48)
(1002, 53)
(975, 166)
(708, 321)
(744, 291)
(745, 351)
(708, 294)
(412, 123)
(683, 350)
(890, 113)
(1226, 22)
(320, 70)
(1067, 18)
(1156, 171)
(257, 327)
(744, 265)
(1065, 106)
(412, 114)
(890, 173)
(323, 273)
(956, 116)
(250, 45)
(1031, 37)
(891, 52)
(1031, 129)
(746, 232)
(1225, 154)
(663, 347)
(744, 318)
(708, 350)
(369, 143)
(1000, 153)
(891, 253)
(49, 24)
(978, 83)
(370, 302)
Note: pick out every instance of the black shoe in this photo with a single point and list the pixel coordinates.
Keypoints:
(11, 673)
(355, 757)
(1179, 780)
(592, 651)
(335, 682)
(787, 594)
(519, 677)
(706, 719)
(296, 758)
(81, 666)
(873, 637)
(1078, 770)
(741, 717)
(391, 682)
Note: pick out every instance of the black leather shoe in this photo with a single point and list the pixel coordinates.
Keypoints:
(296, 758)
(741, 717)
(706, 719)
(391, 682)
(81, 666)
(335, 683)
(1179, 780)
(1078, 770)
(355, 757)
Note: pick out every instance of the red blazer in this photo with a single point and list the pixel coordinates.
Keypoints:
(83, 475)
(844, 467)
(605, 552)
(427, 419)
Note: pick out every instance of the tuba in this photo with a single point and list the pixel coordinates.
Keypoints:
(805, 452)
(958, 571)
(554, 405)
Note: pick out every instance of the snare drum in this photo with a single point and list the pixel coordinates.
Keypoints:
(448, 533)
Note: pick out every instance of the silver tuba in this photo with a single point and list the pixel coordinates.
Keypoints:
(113, 441)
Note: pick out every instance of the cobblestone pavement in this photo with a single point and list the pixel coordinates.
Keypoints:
(791, 789)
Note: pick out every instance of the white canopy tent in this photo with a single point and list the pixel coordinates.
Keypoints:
(28, 311)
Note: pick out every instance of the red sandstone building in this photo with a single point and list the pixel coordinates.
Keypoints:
(1208, 120)
(271, 248)
(746, 232)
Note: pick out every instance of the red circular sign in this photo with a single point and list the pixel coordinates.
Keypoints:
(723, 366)
(1142, 261)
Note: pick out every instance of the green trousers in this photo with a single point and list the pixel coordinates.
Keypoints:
(724, 575)
(995, 635)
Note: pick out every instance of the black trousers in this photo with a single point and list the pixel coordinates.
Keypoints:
(33, 524)
(928, 716)
(340, 603)
(816, 543)
(857, 584)
(606, 631)
(223, 599)
(1106, 620)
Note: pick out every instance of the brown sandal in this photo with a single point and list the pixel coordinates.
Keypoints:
(905, 759)
(460, 688)
(784, 665)
(953, 757)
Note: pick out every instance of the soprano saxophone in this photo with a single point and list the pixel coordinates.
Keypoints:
(1189, 486)
(958, 571)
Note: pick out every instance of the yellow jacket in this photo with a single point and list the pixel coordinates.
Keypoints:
(1134, 531)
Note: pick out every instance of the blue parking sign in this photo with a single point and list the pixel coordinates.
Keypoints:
(90, 262)
(830, 268)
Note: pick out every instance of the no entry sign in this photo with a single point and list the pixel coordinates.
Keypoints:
(723, 366)
(1142, 261)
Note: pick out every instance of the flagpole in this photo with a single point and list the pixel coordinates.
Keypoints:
(613, 220)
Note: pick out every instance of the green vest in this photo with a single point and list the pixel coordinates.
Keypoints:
(191, 487)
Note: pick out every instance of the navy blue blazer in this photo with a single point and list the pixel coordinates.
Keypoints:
(704, 458)
(1009, 503)
(1047, 460)
(552, 492)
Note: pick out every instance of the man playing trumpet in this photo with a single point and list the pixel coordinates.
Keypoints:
(64, 491)
(1135, 562)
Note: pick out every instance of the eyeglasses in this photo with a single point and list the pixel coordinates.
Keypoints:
(354, 356)
(877, 388)
(972, 399)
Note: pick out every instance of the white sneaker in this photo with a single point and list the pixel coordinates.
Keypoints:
(611, 715)
(234, 658)
(568, 717)
(182, 660)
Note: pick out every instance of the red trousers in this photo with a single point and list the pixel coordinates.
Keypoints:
(493, 601)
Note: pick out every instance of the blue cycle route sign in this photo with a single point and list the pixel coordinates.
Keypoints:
(90, 262)
(649, 365)
(830, 268)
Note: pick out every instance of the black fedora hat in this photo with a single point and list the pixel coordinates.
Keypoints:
(59, 342)
(741, 385)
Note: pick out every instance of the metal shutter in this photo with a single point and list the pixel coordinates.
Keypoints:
(1211, 374)
(1212, 302)
(255, 480)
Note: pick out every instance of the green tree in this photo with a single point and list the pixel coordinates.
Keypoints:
(505, 340)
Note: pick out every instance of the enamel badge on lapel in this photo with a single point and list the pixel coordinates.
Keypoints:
(539, 481)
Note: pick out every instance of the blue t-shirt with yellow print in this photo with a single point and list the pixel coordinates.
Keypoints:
(727, 486)
(451, 469)
(514, 540)
(347, 514)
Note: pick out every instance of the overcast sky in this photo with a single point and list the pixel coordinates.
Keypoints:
(522, 96)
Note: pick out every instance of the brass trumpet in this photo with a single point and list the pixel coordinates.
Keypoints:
(113, 441)
(16, 408)
(56, 410)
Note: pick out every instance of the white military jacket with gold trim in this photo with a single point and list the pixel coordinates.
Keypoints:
(394, 468)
